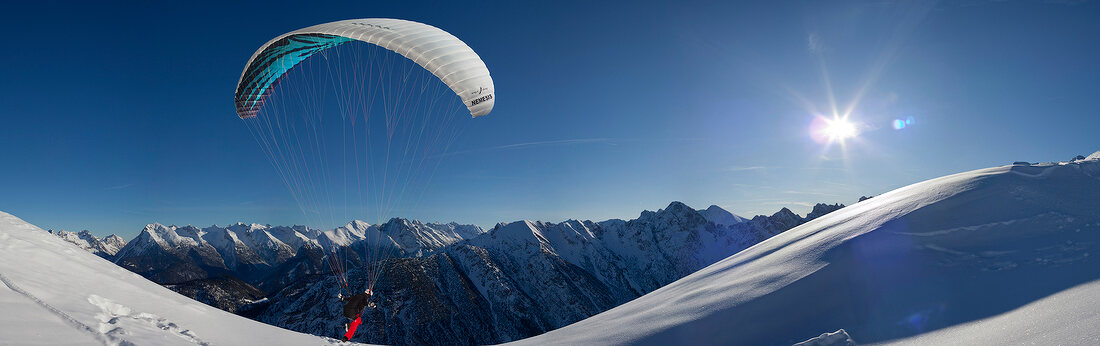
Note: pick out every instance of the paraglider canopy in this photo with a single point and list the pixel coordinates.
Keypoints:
(437, 51)
(355, 117)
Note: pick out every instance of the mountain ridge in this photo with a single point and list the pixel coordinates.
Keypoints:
(520, 278)
(525, 277)
(106, 247)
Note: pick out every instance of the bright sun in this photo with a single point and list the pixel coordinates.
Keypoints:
(839, 129)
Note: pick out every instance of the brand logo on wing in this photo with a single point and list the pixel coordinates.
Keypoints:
(478, 100)
(372, 25)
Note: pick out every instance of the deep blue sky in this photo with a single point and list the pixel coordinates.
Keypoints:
(116, 115)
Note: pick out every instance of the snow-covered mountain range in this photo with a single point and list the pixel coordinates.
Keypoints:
(454, 285)
(174, 254)
(106, 247)
(516, 280)
(522, 278)
(1004, 255)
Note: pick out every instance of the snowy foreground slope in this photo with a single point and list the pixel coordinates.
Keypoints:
(54, 293)
(1004, 255)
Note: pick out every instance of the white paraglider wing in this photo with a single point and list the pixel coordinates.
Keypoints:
(437, 51)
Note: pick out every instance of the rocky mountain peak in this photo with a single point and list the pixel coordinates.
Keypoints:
(721, 217)
(822, 209)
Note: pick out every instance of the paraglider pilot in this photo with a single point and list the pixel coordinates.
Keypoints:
(353, 308)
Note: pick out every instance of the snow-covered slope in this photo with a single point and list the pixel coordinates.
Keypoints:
(344, 236)
(992, 256)
(1094, 156)
(54, 293)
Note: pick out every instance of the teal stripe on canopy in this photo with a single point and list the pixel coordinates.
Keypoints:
(271, 64)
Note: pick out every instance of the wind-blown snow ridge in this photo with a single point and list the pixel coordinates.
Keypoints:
(56, 293)
(992, 256)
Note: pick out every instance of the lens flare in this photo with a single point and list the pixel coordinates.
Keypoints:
(901, 124)
(835, 130)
